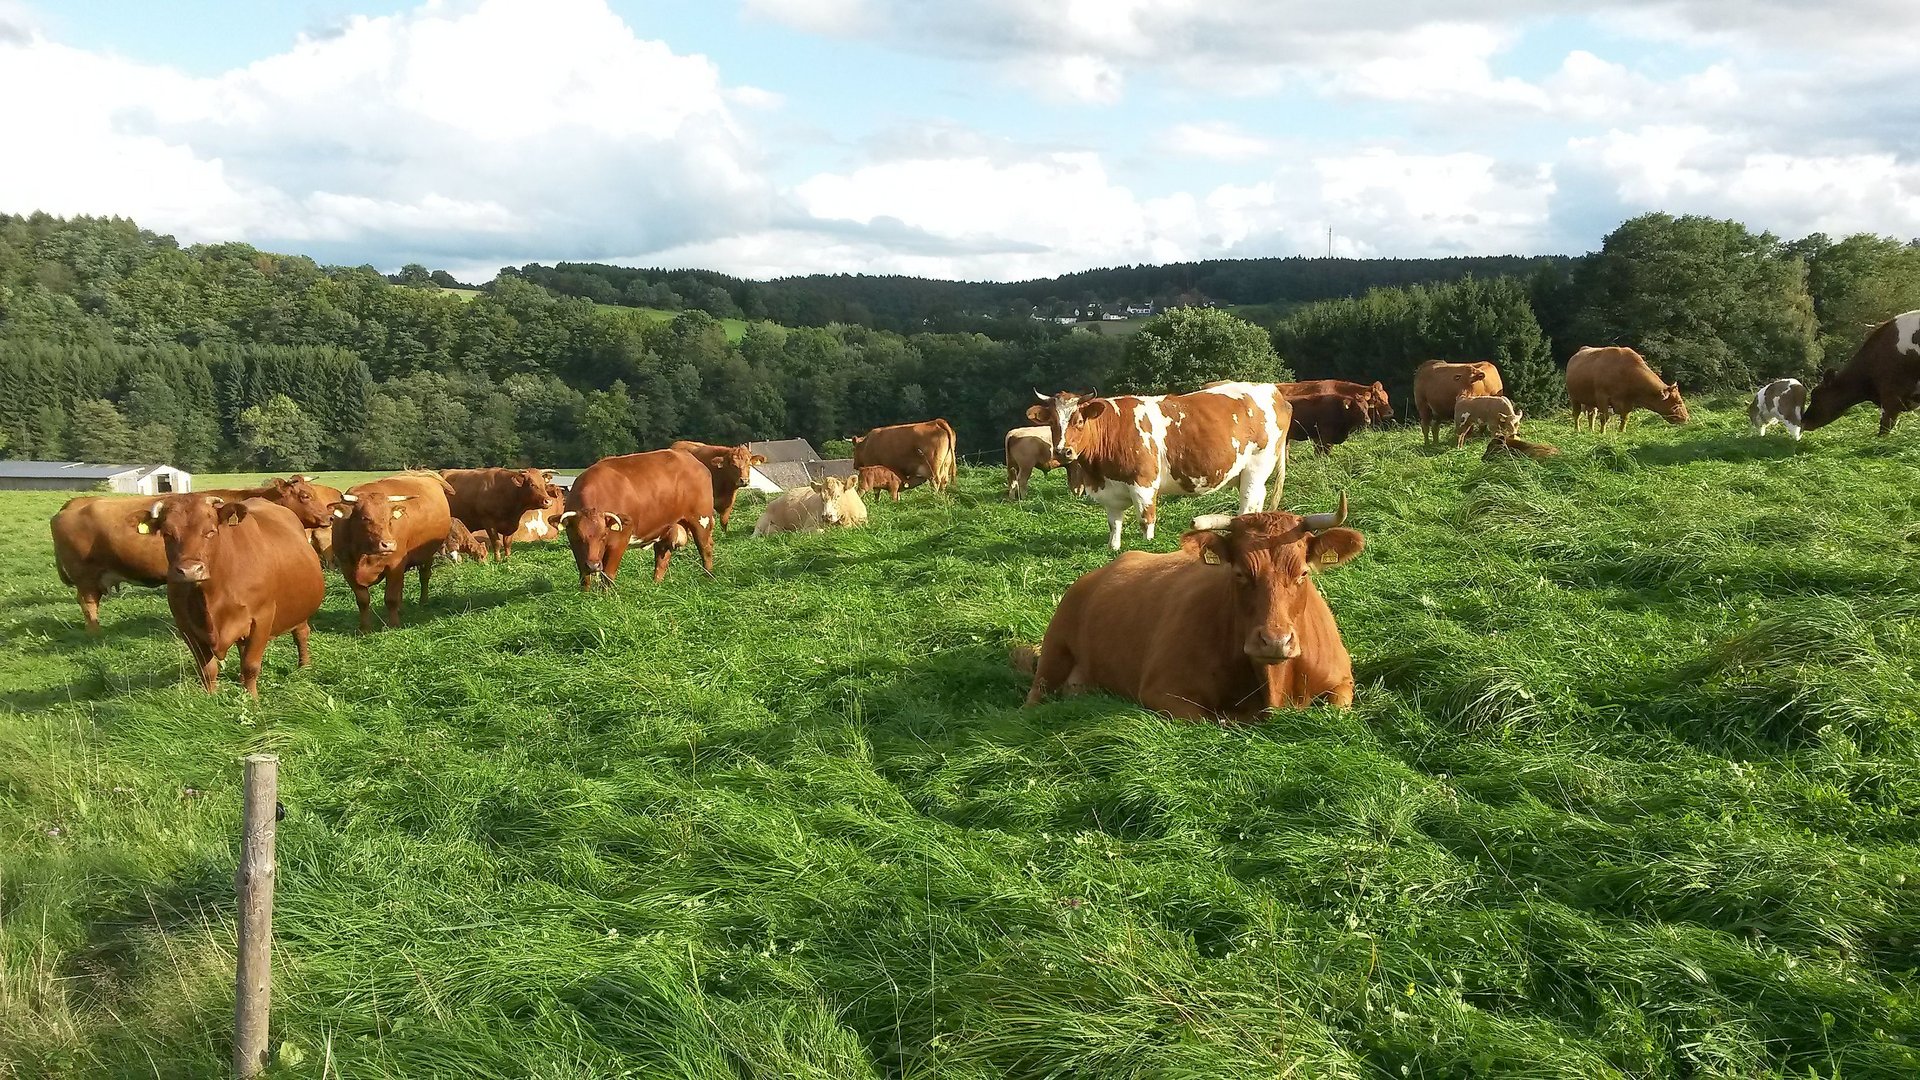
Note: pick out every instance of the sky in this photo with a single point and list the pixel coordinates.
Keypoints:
(979, 139)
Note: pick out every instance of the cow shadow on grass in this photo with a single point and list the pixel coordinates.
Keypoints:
(341, 615)
(104, 971)
(1734, 448)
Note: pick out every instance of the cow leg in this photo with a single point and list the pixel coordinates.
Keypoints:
(506, 545)
(1113, 526)
(1053, 672)
(300, 642)
(252, 651)
(1889, 415)
(1180, 708)
(1149, 513)
(366, 606)
(703, 541)
(209, 671)
(662, 555)
(1279, 477)
(1460, 433)
(396, 587)
(1623, 420)
(90, 607)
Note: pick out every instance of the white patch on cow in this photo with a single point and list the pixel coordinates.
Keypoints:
(1904, 328)
(705, 522)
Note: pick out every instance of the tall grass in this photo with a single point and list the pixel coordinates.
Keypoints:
(1631, 789)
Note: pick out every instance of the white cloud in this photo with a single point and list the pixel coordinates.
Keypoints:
(1216, 140)
(492, 126)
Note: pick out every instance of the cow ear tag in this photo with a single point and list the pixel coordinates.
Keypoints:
(397, 512)
(144, 527)
(1210, 556)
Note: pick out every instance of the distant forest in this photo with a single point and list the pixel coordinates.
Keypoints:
(119, 344)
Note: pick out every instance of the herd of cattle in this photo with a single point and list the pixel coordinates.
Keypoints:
(1228, 626)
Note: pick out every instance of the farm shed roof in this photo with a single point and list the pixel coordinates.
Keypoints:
(78, 470)
(782, 450)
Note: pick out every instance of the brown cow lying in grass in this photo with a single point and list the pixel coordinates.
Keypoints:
(1514, 446)
(1229, 626)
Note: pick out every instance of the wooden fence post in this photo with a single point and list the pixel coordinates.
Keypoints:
(253, 882)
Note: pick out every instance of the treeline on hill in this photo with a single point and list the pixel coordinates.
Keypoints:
(118, 344)
(910, 304)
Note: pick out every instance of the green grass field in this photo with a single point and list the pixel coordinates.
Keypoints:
(1632, 789)
(735, 328)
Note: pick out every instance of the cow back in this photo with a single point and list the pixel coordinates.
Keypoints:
(96, 535)
(651, 491)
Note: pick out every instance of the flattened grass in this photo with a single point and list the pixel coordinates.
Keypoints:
(1630, 790)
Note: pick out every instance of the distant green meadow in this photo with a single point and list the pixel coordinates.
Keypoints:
(1631, 789)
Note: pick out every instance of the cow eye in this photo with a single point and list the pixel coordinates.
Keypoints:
(211, 533)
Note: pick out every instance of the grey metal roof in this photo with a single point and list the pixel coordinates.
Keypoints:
(778, 450)
(840, 467)
(787, 474)
(78, 470)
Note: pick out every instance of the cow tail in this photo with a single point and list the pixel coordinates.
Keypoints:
(949, 465)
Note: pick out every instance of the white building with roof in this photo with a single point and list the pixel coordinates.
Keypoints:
(81, 476)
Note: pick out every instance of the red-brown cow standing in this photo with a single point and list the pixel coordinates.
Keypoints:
(100, 541)
(878, 478)
(1379, 408)
(1614, 378)
(384, 528)
(732, 468)
(1437, 385)
(237, 573)
(1326, 419)
(919, 452)
(1885, 370)
(494, 500)
(655, 498)
(1229, 626)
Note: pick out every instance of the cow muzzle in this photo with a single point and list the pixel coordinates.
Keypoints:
(188, 573)
(387, 547)
(1266, 648)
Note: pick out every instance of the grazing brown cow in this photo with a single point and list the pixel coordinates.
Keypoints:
(463, 543)
(1028, 448)
(1514, 446)
(826, 503)
(1326, 419)
(237, 572)
(1131, 449)
(732, 468)
(1379, 408)
(1783, 402)
(386, 527)
(1438, 384)
(1885, 370)
(1494, 415)
(494, 500)
(870, 478)
(307, 500)
(1228, 626)
(919, 452)
(322, 536)
(652, 498)
(1614, 378)
(100, 541)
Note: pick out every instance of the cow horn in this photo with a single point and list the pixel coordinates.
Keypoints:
(568, 514)
(1323, 522)
(1041, 396)
(216, 501)
(615, 520)
(398, 498)
(1213, 522)
(157, 504)
(350, 497)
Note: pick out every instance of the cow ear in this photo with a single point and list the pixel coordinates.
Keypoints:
(1333, 547)
(233, 513)
(1040, 414)
(1094, 408)
(757, 459)
(1207, 546)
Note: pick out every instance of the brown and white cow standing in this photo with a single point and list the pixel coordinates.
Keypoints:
(1028, 448)
(495, 500)
(1130, 450)
(1885, 370)
(732, 468)
(384, 528)
(659, 498)
(1229, 626)
(1437, 385)
(237, 573)
(920, 453)
(1494, 415)
(1783, 402)
(1613, 379)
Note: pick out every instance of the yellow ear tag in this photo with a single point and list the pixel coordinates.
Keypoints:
(144, 527)
(396, 511)
(616, 527)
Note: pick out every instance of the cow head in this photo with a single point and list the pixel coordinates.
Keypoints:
(595, 536)
(1508, 424)
(733, 466)
(1671, 405)
(1834, 393)
(374, 519)
(189, 526)
(829, 490)
(1379, 407)
(1270, 555)
(1066, 416)
(298, 494)
(534, 488)
(462, 543)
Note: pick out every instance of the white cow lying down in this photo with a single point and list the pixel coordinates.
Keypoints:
(829, 502)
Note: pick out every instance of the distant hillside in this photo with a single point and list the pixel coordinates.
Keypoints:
(909, 304)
